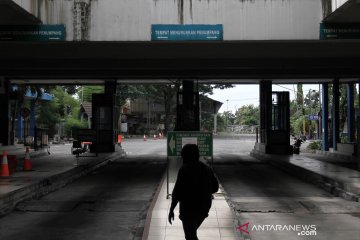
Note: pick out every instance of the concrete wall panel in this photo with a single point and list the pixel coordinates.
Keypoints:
(130, 20)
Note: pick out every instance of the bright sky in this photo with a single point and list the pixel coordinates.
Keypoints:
(249, 94)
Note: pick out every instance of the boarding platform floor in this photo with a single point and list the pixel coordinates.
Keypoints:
(219, 225)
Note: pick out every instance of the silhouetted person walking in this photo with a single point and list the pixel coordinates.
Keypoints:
(194, 187)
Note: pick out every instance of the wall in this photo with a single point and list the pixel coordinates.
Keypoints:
(130, 20)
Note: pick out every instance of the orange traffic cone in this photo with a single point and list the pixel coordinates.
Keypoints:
(144, 137)
(27, 162)
(4, 166)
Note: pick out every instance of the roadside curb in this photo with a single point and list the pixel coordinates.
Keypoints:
(142, 230)
(331, 185)
(238, 221)
(49, 184)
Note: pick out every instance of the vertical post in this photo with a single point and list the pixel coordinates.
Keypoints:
(257, 135)
(227, 114)
(215, 123)
(265, 109)
(325, 117)
(32, 118)
(319, 114)
(358, 140)
(188, 108)
(167, 178)
(350, 111)
(20, 125)
(5, 112)
(335, 116)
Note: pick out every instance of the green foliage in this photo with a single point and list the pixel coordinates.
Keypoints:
(299, 95)
(165, 94)
(47, 116)
(50, 113)
(62, 99)
(297, 123)
(85, 92)
(247, 115)
(314, 145)
(312, 100)
(73, 123)
(208, 88)
(344, 139)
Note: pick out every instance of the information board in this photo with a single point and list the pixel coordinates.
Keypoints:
(186, 32)
(339, 31)
(176, 140)
(32, 32)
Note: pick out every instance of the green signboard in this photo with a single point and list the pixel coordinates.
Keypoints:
(187, 32)
(32, 33)
(339, 31)
(176, 140)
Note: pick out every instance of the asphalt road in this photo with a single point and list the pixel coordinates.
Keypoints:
(111, 203)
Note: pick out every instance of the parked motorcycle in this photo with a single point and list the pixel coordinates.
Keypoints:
(296, 145)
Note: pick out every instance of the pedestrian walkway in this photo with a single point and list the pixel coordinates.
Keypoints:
(220, 225)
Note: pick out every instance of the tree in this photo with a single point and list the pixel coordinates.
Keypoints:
(63, 107)
(18, 94)
(312, 99)
(163, 94)
(300, 96)
(85, 92)
(229, 117)
(48, 116)
(247, 115)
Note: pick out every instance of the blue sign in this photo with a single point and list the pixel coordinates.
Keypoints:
(313, 117)
(192, 32)
(32, 33)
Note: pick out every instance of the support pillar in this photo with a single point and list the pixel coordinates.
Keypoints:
(350, 111)
(4, 112)
(188, 108)
(32, 118)
(265, 109)
(325, 116)
(335, 116)
(104, 119)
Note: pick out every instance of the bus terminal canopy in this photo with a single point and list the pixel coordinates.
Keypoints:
(254, 60)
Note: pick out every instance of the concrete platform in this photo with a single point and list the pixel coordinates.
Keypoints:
(50, 172)
(337, 180)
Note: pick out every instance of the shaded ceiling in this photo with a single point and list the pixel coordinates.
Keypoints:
(232, 61)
